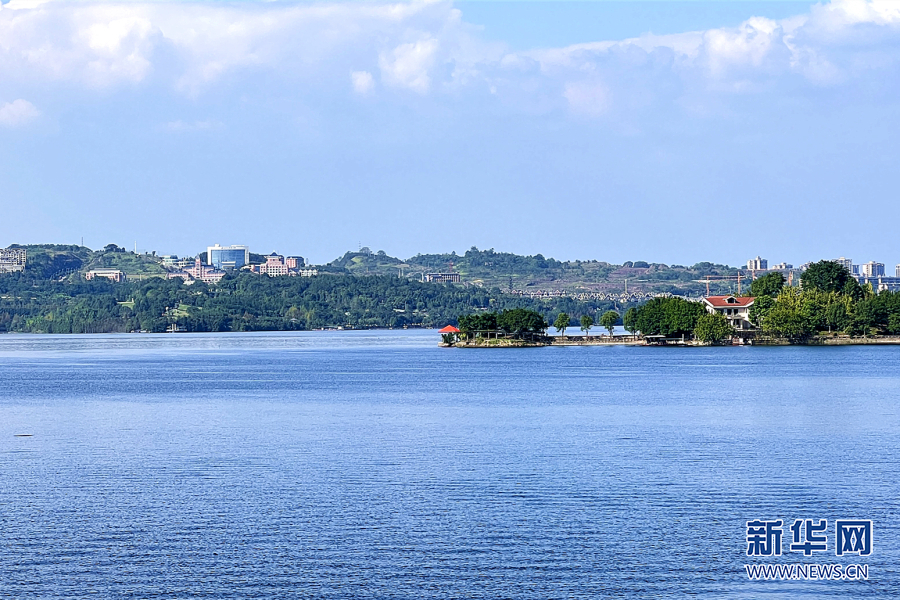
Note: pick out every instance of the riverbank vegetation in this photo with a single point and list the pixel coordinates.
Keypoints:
(830, 301)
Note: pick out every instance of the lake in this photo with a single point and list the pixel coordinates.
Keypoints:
(377, 465)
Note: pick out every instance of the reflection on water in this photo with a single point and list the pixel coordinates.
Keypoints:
(374, 464)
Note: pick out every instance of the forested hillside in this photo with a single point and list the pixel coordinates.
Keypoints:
(248, 302)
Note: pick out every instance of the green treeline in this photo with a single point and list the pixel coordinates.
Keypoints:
(829, 300)
(515, 321)
(249, 302)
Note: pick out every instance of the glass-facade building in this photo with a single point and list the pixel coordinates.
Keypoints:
(227, 257)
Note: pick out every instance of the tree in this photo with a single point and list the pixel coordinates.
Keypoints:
(769, 284)
(713, 328)
(562, 322)
(609, 320)
(629, 320)
(825, 275)
(668, 316)
(786, 317)
(837, 317)
(854, 290)
(521, 320)
(760, 308)
(479, 322)
(894, 324)
(869, 313)
(587, 321)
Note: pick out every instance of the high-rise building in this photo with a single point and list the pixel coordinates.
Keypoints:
(847, 263)
(758, 264)
(12, 259)
(227, 257)
(897, 271)
(872, 269)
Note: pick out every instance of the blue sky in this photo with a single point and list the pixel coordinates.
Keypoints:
(661, 131)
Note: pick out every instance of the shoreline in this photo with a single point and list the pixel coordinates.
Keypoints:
(887, 340)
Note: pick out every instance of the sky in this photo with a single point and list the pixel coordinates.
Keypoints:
(666, 131)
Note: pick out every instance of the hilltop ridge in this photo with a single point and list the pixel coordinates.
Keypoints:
(535, 273)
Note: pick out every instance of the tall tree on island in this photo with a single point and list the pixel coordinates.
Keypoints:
(609, 320)
(713, 328)
(629, 320)
(562, 321)
(825, 275)
(587, 321)
(769, 284)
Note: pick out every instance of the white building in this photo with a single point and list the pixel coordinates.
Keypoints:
(758, 264)
(111, 274)
(847, 263)
(736, 309)
(12, 259)
(872, 269)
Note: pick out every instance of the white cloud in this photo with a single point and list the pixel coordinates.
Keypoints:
(17, 113)
(362, 82)
(408, 65)
(429, 49)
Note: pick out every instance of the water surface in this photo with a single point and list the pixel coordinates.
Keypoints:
(376, 465)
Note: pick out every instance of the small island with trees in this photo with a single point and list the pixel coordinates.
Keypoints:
(829, 307)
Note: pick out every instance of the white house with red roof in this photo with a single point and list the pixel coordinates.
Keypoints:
(734, 308)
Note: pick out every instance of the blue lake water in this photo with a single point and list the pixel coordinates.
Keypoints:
(377, 465)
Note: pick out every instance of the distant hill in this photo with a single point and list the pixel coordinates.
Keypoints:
(54, 261)
(506, 271)
(482, 268)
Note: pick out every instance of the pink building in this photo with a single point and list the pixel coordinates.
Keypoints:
(275, 266)
(205, 272)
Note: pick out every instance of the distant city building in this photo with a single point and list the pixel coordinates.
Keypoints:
(848, 264)
(881, 284)
(204, 272)
(782, 266)
(111, 274)
(171, 261)
(227, 257)
(277, 265)
(872, 269)
(274, 266)
(12, 260)
(441, 277)
(897, 271)
(758, 264)
(735, 309)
